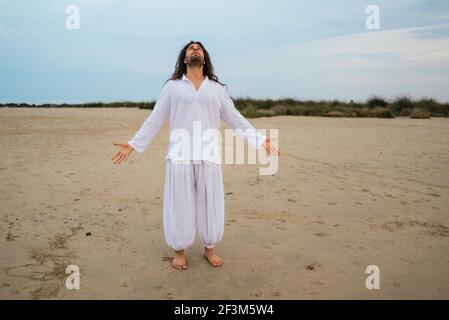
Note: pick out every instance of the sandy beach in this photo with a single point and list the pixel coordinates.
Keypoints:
(349, 193)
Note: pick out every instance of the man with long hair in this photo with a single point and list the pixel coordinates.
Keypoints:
(194, 100)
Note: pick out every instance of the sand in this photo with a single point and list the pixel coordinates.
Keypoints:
(349, 193)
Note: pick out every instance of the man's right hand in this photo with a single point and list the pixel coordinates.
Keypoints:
(123, 153)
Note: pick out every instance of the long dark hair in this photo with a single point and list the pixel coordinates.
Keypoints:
(181, 67)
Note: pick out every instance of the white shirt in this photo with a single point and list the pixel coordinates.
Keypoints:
(186, 109)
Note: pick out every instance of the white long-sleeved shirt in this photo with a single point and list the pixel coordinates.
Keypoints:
(191, 112)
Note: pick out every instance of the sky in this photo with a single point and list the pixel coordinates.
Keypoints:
(125, 50)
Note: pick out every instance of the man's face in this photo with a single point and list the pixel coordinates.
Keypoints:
(194, 55)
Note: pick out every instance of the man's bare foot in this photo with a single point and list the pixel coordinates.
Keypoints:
(212, 257)
(179, 261)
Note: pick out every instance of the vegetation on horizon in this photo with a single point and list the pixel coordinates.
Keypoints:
(374, 107)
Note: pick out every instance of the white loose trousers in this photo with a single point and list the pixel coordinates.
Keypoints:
(193, 203)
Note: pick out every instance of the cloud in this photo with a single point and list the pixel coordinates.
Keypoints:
(439, 31)
(356, 66)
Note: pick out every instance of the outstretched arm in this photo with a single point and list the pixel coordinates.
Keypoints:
(237, 121)
(153, 124)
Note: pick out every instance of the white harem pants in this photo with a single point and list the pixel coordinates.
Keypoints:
(193, 203)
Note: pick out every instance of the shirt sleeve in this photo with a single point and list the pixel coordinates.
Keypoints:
(236, 121)
(153, 124)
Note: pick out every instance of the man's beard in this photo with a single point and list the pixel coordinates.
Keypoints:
(195, 61)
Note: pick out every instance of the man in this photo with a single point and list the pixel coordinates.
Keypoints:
(193, 99)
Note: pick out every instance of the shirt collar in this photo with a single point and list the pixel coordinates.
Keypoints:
(206, 78)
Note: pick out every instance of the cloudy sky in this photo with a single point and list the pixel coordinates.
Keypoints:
(125, 50)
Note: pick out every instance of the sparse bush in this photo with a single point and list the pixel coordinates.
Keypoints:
(382, 113)
(362, 112)
(375, 106)
(334, 114)
(400, 104)
(436, 109)
(420, 114)
(252, 112)
(267, 113)
(279, 109)
(376, 101)
(295, 110)
(405, 113)
(310, 111)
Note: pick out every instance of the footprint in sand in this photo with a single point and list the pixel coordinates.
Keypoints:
(389, 195)
(10, 236)
(313, 266)
(434, 229)
(434, 195)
